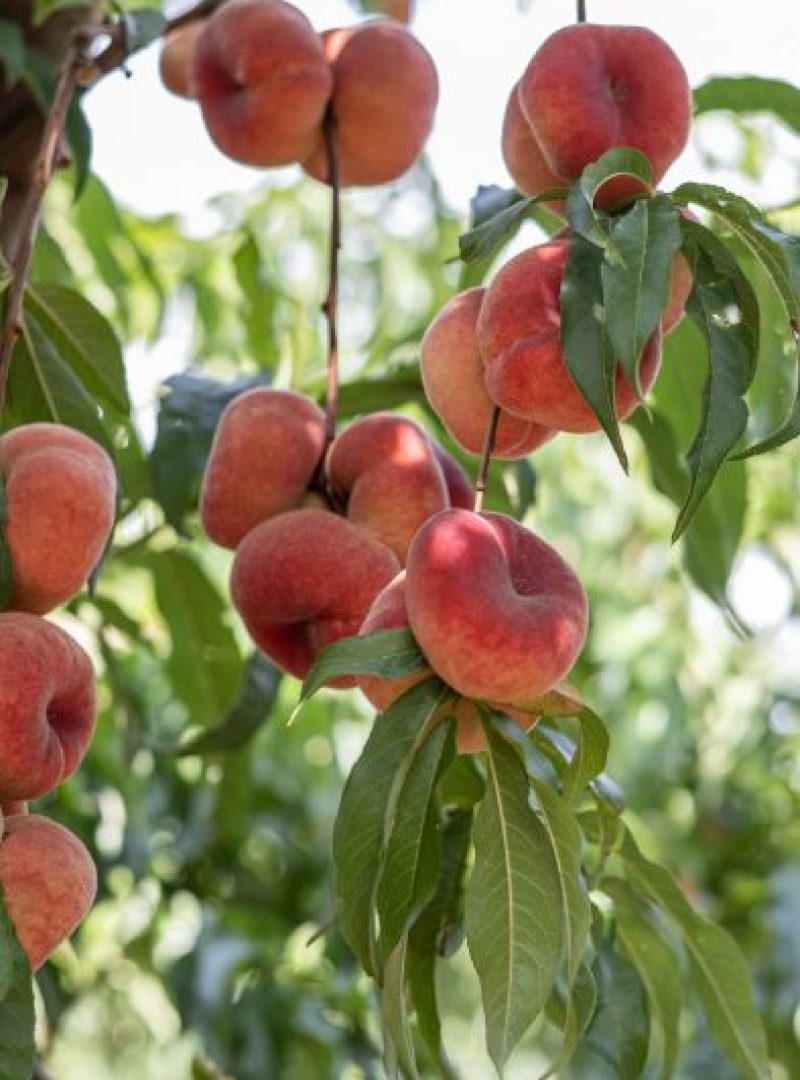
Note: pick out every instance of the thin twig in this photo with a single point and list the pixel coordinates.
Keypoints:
(581, 11)
(330, 304)
(486, 458)
(46, 159)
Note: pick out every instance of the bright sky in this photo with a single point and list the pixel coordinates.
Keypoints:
(152, 149)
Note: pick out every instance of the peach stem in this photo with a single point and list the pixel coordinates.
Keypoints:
(329, 306)
(581, 17)
(486, 458)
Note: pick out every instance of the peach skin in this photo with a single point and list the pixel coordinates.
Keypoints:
(262, 81)
(305, 579)
(519, 333)
(176, 62)
(266, 449)
(460, 491)
(60, 503)
(591, 88)
(522, 154)
(388, 612)
(453, 378)
(499, 615)
(47, 706)
(385, 91)
(48, 880)
(385, 470)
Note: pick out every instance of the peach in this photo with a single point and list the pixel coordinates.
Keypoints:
(60, 505)
(522, 154)
(385, 470)
(385, 91)
(48, 880)
(453, 377)
(681, 282)
(47, 706)
(266, 449)
(305, 579)
(499, 615)
(388, 612)
(519, 333)
(176, 62)
(591, 88)
(262, 81)
(460, 491)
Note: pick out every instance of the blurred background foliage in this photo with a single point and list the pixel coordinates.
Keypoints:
(210, 953)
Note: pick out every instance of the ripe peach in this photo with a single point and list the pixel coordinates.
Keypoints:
(176, 62)
(47, 706)
(460, 491)
(385, 91)
(388, 612)
(453, 377)
(519, 333)
(591, 88)
(385, 469)
(497, 612)
(262, 81)
(266, 448)
(48, 880)
(522, 154)
(304, 579)
(60, 502)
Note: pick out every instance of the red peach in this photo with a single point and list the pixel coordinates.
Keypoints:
(385, 91)
(460, 491)
(523, 155)
(266, 448)
(499, 615)
(60, 500)
(262, 81)
(47, 706)
(176, 62)
(385, 469)
(519, 332)
(591, 88)
(305, 579)
(681, 282)
(49, 883)
(453, 377)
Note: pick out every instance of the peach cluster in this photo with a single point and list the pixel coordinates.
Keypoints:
(265, 81)
(588, 89)
(60, 496)
(317, 531)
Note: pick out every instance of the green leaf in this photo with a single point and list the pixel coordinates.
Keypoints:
(188, 414)
(394, 1010)
(254, 703)
(513, 913)
(401, 385)
(587, 353)
(584, 219)
(393, 654)
(497, 215)
(43, 9)
(204, 662)
(16, 1005)
(573, 1015)
(749, 94)
(567, 843)
(719, 971)
(259, 296)
(367, 811)
(12, 54)
(590, 757)
(619, 1031)
(143, 26)
(644, 945)
(712, 538)
(731, 354)
(84, 339)
(636, 281)
(42, 387)
(79, 138)
(411, 858)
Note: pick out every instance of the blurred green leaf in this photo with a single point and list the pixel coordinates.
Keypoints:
(750, 94)
(16, 1005)
(79, 138)
(12, 53)
(513, 914)
(143, 26)
(43, 9)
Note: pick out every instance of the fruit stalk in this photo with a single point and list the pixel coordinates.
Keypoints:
(581, 14)
(486, 458)
(330, 304)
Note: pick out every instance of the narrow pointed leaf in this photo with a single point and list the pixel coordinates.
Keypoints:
(512, 909)
(645, 947)
(394, 1010)
(719, 971)
(619, 1032)
(587, 354)
(590, 757)
(367, 809)
(636, 281)
(583, 217)
(573, 1016)
(16, 1005)
(748, 94)
(392, 654)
